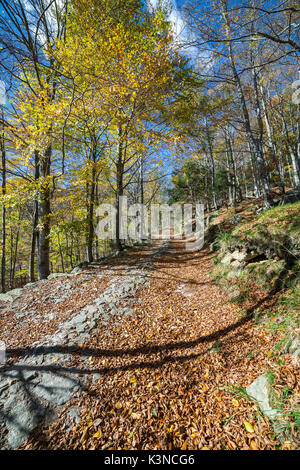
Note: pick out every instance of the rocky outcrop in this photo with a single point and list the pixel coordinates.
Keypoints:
(240, 258)
(11, 295)
(55, 275)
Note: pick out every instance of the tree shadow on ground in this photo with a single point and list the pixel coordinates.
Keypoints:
(166, 354)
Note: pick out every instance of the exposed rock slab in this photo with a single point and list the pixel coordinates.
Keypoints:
(260, 390)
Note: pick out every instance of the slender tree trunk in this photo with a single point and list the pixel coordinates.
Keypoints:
(3, 240)
(294, 159)
(11, 257)
(143, 234)
(72, 246)
(34, 233)
(281, 170)
(211, 167)
(61, 254)
(254, 177)
(231, 162)
(236, 180)
(97, 219)
(78, 252)
(16, 252)
(33, 243)
(230, 183)
(270, 139)
(90, 213)
(44, 216)
(206, 182)
(120, 188)
(298, 137)
(71, 251)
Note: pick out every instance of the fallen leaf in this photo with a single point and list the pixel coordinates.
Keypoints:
(248, 427)
(253, 446)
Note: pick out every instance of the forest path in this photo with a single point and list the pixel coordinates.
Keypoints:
(155, 367)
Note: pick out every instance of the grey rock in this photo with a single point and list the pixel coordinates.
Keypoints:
(127, 311)
(91, 309)
(96, 377)
(31, 284)
(21, 374)
(20, 421)
(239, 255)
(81, 328)
(55, 275)
(22, 315)
(260, 390)
(55, 388)
(9, 404)
(16, 292)
(29, 375)
(3, 386)
(76, 270)
(91, 324)
(227, 259)
(237, 264)
(6, 298)
(73, 414)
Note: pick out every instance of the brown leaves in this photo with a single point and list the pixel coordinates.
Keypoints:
(167, 391)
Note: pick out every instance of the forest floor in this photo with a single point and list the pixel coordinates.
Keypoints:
(164, 374)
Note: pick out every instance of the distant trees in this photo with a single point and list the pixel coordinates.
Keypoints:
(253, 68)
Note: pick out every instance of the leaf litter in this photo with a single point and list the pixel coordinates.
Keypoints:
(166, 372)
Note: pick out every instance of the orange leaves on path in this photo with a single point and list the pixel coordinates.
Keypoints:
(168, 369)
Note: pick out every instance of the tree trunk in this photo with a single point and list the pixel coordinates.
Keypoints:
(230, 183)
(34, 233)
(270, 139)
(15, 252)
(61, 254)
(211, 166)
(3, 241)
(296, 174)
(44, 216)
(298, 137)
(90, 214)
(120, 189)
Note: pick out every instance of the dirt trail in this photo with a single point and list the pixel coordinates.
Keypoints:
(159, 377)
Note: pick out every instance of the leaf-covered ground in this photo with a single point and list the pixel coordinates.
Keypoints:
(167, 371)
